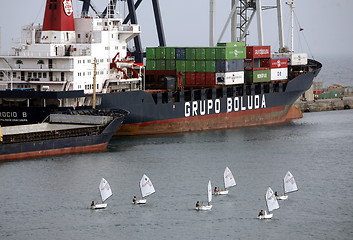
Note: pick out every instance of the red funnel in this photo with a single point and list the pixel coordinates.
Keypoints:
(59, 16)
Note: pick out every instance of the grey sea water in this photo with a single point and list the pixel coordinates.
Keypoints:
(49, 198)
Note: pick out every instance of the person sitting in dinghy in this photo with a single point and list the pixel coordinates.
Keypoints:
(276, 194)
(134, 199)
(92, 203)
(261, 213)
(198, 204)
(215, 190)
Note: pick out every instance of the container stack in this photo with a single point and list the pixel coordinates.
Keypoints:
(257, 64)
(199, 66)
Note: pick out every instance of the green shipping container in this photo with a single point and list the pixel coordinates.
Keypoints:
(160, 64)
(170, 53)
(210, 65)
(257, 76)
(190, 53)
(170, 65)
(150, 64)
(200, 66)
(190, 66)
(200, 53)
(151, 53)
(160, 53)
(210, 53)
(230, 53)
(180, 65)
(231, 44)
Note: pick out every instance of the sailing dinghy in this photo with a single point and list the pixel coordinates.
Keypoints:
(289, 185)
(146, 188)
(228, 180)
(209, 198)
(271, 203)
(105, 192)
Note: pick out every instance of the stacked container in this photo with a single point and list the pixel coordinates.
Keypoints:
(279, 69)
(199, 65)
(257, 64)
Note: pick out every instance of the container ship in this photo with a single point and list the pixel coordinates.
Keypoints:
(75, 63)
(80, 131)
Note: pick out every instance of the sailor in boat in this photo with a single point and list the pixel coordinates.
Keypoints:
(134, 199)
(276, 194)
(261, 213)
(92, 203)
(198, 204)
(215, 191)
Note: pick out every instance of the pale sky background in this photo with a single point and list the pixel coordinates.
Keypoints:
(327, 24)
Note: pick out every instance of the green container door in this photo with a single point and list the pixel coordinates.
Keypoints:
(170, 53)
(210, 53)
(170, 65)
(150, 64)
(151, 53)
(200, 53)
(210, 65)
(160, 52)
(257, 76)
(190, 66)
(200, 66)
(181, 66)
(160, 64)
(190, 53)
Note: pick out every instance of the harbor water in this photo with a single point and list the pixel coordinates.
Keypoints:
(49, 198)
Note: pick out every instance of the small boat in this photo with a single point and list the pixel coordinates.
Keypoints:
(289, 185)
(209, 198)
(146, 188)
(271, 203)
(105, 192)
(228, 180)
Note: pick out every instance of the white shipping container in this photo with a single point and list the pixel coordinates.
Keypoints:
(279, 73)
(229, 78)
(298, 59)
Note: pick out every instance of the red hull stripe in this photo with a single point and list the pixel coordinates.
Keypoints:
(264, 116)
(55, 152)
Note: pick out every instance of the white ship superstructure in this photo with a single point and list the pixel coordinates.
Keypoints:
(60, 54)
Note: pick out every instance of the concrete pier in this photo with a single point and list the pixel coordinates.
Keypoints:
(325, 104)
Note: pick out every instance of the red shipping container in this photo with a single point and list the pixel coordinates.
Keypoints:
(265, 62)
(279, 62)
(189, 78)
(258, 51)
(210, 78)
(200, 78)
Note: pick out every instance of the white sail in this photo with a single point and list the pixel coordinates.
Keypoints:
(105, 189)
(289, 183)
(209, 191)
(146, 186)
(229, 180)
(271, 200)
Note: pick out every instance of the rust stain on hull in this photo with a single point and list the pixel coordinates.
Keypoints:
(266, 116)
(55, 152)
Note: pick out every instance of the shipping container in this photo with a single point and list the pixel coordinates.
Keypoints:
(279, 62)
(265, 62)
(151, 53)
(170, 65)
(151, 64)
(190, 66)
(298, 59)
(258, 51)
(180, 53)
(257, 76)
(200, 78)
(170, 53)
(200, 66)
(200, 53)
(181, 65)
(255, 64)
(190, 78)
(231, 44)
(230, 78)
(233, 65)
(210, 53)
(190, 53)
(230, 53)
(160, 65)
(210, 66)
(279, 74)
(210, 78)
(160, 53)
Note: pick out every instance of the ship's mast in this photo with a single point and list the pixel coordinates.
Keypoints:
(291, 5)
